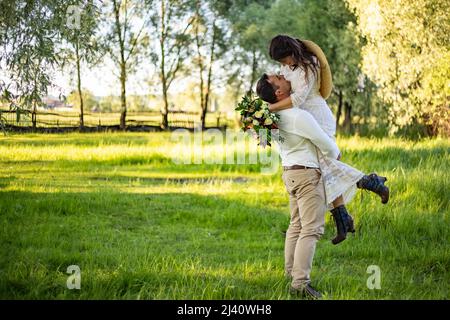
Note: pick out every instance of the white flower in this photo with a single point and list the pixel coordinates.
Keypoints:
(268, 122)
(255, 122)
(258, 114)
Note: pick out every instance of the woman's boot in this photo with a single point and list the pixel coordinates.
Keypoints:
(344, 223)
(375, 183)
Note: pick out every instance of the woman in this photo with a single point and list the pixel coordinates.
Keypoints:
(301, 62)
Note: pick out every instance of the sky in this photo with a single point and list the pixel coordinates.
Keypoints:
(101, 80)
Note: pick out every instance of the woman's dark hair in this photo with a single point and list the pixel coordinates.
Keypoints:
(266, 90)
(283, 46)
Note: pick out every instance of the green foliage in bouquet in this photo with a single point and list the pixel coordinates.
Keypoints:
(255, 116)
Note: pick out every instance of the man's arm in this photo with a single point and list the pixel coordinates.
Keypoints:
(306, 126)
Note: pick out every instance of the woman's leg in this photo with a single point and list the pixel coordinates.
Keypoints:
(338, 202)
(342, 219)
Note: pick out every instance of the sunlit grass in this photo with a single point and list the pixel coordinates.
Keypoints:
(142, 227)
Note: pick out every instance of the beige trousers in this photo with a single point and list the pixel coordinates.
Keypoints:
(308, 207)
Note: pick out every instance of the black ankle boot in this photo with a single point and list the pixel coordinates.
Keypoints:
(375, 183)
(344, 223)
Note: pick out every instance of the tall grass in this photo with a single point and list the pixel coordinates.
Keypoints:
(140, 226)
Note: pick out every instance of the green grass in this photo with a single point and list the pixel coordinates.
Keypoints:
(141, 227)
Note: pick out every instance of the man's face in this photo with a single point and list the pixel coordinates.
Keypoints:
(284, 86)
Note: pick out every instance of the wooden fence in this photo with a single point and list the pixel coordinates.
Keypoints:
(49, 119)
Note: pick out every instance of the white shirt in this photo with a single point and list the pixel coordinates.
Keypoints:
(300, 135)
(305, 95)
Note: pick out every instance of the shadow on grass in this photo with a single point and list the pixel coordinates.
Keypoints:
(212, 228)
(149, 284)
(155, 161)
(179, 180)
(110, 229)
(173, 245)
(184, 207)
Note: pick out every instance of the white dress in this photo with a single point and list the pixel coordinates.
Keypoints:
(338, 177)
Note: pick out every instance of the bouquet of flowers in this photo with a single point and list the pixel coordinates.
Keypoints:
(255, 116)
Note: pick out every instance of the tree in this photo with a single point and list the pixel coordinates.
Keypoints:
(407, 55)
(82, 46)
(125, 41)
(247, 24)
(171, 22)
(210, 44)
(29, 34)
(87, 97)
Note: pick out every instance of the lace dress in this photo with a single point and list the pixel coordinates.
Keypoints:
(338, 177)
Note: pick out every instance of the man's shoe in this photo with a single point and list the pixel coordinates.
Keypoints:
(306, 291)
(344, 223)
(288, 276)
(375, 183)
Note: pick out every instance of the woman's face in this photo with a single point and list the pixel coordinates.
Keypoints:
(287, 61)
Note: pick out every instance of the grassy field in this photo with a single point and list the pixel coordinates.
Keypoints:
(140, 226)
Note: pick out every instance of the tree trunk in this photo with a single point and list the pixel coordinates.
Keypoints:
(339, 110)
(33, 111)
(165, 120)
(201, 67)
(123, 72)
(208, 86)
(80, 94)
(348, 118)
(123, 97)
(33, 116)
(254, 67)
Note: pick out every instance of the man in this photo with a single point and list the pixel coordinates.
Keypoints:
(300, 135)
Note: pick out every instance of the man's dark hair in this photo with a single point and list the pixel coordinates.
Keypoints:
(265, 90)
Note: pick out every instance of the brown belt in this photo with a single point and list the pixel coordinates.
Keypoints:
(296, 167)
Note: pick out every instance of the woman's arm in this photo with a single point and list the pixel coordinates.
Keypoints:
(286, 103)
(301, 85)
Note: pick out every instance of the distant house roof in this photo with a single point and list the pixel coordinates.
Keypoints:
(55, 103)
